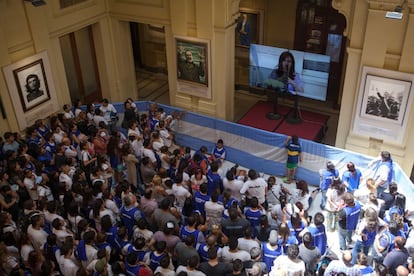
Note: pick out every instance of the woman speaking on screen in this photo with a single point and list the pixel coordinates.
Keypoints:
(285, 80)
(284, 77)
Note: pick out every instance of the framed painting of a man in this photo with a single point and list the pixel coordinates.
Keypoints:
(384, 104)
(249, 27)
(31, 89)
(32, 85)
(193, 66)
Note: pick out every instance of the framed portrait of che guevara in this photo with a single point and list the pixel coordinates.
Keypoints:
(31, 88)
(32, 85)
(193, 66)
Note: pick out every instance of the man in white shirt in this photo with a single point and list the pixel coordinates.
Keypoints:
(255, 187)
(247, 242)
(290, 262)
(108, 111)
(67, 266)
(232, 252)
(214, 210)
(90, 251)
(36, 232)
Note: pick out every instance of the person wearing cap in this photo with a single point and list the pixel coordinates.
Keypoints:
(327, 177)
(167, 235)
(352, 177)
(271, 250)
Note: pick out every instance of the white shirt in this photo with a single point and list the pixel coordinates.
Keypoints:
(38, 237)
(67, 180)
(214, 212)
(97, 119)
(45, 192)
(166, 137)
(25, 250)
(255, 188)
(247, 244)
(157, 144)
(61, 235)
(29, 183)
(293, 268)
(91, 254)
(68, 115)
(107, 110)
(297, 197)
(150, 154)
(67, 266)
(180, 194)
(189, 272)
(111, 205)
(228, 256)
(235, 186)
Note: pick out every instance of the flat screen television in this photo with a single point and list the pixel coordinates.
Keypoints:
(313, 69)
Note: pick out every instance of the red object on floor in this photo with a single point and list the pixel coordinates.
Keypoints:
(256, 116)
(312, 126)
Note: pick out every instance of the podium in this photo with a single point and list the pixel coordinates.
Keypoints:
(275, 115)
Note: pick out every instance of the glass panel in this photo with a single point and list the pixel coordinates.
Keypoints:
(70, 68)
(87, 64)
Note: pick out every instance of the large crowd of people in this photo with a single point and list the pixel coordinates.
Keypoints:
(86, 194)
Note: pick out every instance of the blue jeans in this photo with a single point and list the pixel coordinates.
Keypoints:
(345, 236)
(323, 200)
(380, 189)
(359, 247)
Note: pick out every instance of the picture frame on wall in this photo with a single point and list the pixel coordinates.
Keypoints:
(193, 66)
(249, 28)
(31, 89)
(384, 104)
(31, 83)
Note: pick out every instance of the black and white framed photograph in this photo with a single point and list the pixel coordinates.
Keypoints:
(31, 88)
(193, 66)
(384, 104)
(31, 82)
(385, 99)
